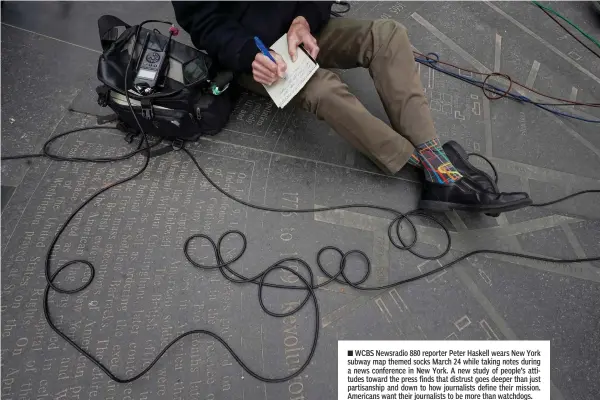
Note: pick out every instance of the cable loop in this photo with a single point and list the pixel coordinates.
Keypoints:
(430, 60)
(503, 93)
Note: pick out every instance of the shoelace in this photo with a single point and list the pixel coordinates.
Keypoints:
(492, 181)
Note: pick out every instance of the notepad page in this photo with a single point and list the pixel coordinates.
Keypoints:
(298, 74)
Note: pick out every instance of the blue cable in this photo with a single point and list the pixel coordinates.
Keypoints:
(432, 63)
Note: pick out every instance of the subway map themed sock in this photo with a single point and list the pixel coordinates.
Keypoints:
(435, 162)
(414, 160)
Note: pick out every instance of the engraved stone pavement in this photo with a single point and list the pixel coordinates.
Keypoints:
(145, 292)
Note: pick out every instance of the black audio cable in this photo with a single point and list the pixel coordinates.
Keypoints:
(260, 279)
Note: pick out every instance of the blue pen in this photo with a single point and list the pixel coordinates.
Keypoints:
(264, 50)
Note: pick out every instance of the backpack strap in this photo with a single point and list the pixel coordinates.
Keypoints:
(107, 29)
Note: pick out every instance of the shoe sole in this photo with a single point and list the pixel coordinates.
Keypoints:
(441, 206)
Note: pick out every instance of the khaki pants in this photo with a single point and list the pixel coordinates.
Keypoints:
(383, 47)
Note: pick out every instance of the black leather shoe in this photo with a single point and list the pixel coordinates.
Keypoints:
(460, 159)
(468, 195)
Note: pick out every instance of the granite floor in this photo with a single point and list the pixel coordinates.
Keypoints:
(145, 292)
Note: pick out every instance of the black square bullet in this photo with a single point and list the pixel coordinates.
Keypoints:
(350, 353)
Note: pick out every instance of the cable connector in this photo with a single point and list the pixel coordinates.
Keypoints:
(177, 144)
(174, 30)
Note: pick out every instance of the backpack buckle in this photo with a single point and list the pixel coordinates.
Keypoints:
(147, 110)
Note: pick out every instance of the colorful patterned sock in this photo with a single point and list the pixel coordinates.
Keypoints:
(437, 166)
(414, 160)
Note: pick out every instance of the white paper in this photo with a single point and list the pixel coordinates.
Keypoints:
(444, 369)
(298, 74)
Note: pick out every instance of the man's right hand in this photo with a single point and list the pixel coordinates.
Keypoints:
(266, 71)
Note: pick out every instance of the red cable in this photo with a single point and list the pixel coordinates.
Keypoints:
(487, 76)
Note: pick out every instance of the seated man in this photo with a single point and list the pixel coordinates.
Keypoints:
(226, 30)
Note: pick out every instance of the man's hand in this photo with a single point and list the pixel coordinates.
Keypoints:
(266, 71)
(299, 32)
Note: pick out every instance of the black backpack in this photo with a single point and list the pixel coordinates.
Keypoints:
(192, 101)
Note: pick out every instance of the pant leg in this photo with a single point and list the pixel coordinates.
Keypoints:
(383, 47)
(326, 96)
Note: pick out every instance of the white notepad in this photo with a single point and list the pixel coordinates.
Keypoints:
(298, 73)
